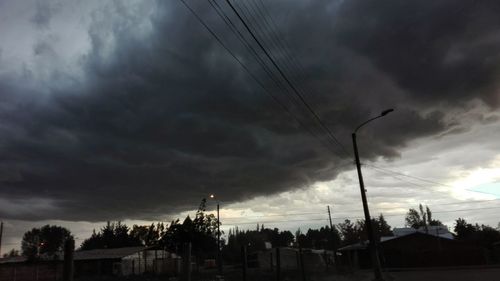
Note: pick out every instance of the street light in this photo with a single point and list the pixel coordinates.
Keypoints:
(219, 257)
(368, 221)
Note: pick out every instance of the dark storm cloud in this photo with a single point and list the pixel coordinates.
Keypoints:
(440, 51)
(163, 116)
(44, 11)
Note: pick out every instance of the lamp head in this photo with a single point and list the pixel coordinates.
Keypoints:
(387, 111)
(212, 196)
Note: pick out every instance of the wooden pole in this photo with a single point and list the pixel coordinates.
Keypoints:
(244, 262)
(302, 267)
(1, 233)
(186, 276)
(68, 267)
(278, 264)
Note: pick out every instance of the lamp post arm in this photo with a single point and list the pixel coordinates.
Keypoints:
(366, 122)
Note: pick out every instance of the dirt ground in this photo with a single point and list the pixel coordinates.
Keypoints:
(469, 274)
(464, 274)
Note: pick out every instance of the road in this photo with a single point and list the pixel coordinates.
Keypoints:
(471, 274)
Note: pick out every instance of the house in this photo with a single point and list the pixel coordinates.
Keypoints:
(125, 261)
(99, 262)
(413, 249)
(290, 259)
(435, 230)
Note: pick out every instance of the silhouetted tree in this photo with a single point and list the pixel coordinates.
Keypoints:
(148, 235)
(201, 232)
(349, 232)
(483, 235)
(323, 238)
(112, 235)
(47, 240)
(11, 253)
(420, 218)
(379, 225)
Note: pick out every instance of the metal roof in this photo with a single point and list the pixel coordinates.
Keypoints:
(13, 259)
(116, 253)
(97, 254)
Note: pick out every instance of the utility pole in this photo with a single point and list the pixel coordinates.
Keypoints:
(330, 217)
(368, 221)
(219, 254)
(1, 234)
(372, 246)
(219, 257)
(68, 265)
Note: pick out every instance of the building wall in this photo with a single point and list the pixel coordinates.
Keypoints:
(289, 259)
(425, 250)
(142, 262)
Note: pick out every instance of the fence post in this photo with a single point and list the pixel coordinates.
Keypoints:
(68, 266)
(302, 267)
(186, 276)
(271, 265)
(278, 264)
(244, 262)
(297, 259)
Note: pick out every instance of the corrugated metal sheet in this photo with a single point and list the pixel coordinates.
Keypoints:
(116, 253)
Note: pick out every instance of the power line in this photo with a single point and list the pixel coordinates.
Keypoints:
(284, 46)
(279, 221)
(275, 215)
(252, 75)
(248, 15)
(386, 208)
(405, 175)
(358, 217)
(294, 89)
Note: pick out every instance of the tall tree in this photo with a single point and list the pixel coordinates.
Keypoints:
(413, 219)
(349, 232)
(148, 235)
(112, 235)
(420, 218)
(11, 253)
(379, 225)
(47, 240)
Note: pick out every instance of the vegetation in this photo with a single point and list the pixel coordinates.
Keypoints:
(47, 240)
(355, 232)
(112, 235)
(201, 232)
(11, 253)
(420, 218)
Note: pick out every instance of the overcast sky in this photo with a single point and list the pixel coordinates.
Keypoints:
(131, 110)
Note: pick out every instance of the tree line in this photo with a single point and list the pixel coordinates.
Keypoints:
(201, 232)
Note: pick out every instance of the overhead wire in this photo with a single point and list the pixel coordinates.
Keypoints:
(284, 107)
(249, 17)
(284, 46)
(356, 217)
(289, 83)
(405, 175)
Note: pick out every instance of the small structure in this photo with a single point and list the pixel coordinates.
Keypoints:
(125, 261)
(434, 230)
(99, 262)
(289, 258)
(413, 249)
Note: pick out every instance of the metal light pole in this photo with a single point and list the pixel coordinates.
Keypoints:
(219, 256)
(368, 221)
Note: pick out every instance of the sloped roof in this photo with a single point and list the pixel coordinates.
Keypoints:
(355, 246)
(97, 254)
(364, 244)
(13, 259)
(115, 253)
